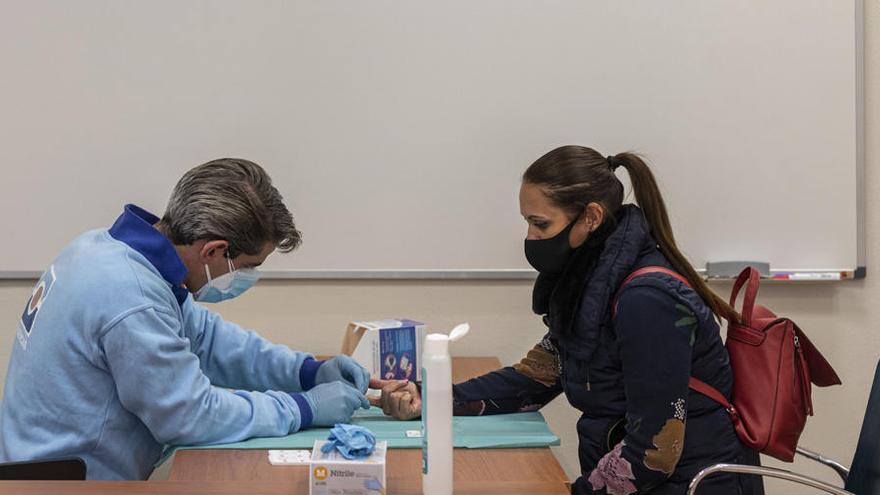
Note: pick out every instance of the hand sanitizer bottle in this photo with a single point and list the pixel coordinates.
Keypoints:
(437, 412)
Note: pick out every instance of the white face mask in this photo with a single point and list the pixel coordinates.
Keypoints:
(228, 285)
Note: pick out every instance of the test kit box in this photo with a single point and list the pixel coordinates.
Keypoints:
(388, 349)
(332, 474)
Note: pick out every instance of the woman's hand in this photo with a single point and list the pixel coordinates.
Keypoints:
(400, 398)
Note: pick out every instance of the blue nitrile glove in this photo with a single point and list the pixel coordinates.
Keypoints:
(353, 442)
(345, 369)
(373, 484)
(334, 402)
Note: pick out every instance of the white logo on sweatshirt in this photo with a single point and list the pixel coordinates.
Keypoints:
(36, 301)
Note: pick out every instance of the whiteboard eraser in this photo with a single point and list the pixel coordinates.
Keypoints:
(732, 269)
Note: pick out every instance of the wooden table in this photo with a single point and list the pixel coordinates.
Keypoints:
(197, 472)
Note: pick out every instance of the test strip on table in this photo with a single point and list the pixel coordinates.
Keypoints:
(289, 457)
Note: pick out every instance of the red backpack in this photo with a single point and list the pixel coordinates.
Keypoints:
(773, 365)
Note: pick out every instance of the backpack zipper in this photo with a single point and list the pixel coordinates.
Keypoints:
(801, 376)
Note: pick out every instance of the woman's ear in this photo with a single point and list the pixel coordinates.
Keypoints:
(594, 215)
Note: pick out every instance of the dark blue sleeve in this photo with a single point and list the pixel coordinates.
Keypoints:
(654, 337)
(525, 386)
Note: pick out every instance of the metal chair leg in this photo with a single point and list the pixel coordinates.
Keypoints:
(839, 468)
(764, 471)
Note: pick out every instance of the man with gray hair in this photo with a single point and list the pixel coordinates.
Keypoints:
(114, 360)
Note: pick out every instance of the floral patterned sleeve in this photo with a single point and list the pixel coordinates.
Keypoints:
(654, 335)
(525, 386)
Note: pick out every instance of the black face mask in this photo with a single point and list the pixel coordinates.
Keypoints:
(550, 255)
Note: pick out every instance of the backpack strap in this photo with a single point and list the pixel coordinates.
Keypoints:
(713, 393)
(693, 383)
(644, 271)
(750, 278)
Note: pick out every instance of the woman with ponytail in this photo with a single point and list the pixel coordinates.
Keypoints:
(641, 430)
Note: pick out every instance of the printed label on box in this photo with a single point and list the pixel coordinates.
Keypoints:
(332, 474)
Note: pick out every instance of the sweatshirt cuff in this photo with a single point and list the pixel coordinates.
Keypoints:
(305, 410)
(307, 372)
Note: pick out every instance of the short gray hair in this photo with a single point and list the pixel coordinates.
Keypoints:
(230, 199)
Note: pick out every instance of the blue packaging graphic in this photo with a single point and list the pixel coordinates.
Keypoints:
(389, 349)
(398, 347)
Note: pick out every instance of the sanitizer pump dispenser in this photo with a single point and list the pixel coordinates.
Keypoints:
(437, 411)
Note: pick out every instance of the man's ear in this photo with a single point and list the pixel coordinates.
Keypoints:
(212, 250)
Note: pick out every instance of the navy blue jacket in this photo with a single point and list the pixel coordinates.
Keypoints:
(642, 430)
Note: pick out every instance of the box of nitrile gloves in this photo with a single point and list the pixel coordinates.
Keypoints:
(388, 349)
(332, 474)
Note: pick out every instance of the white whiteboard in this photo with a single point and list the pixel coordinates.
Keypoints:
(398, 131)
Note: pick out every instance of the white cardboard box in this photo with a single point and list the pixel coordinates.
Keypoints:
(333, 474)
(388, 349)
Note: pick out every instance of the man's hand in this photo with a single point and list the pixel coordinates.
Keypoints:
(400, 398)
(343, 369)
(334, 402)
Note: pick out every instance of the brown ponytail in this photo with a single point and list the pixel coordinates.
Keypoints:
(575, 176)
(651, 202)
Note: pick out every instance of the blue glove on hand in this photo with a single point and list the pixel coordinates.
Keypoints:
(344, 369)
(334, 402)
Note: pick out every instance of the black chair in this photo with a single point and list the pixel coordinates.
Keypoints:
(862, 478)
(68, 468)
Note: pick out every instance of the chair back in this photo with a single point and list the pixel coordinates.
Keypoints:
(864, 474)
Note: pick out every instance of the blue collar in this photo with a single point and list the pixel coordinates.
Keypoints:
(135, 228)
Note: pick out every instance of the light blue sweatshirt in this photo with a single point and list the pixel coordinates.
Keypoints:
(113, 360)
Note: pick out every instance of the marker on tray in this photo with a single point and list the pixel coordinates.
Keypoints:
(806, 276)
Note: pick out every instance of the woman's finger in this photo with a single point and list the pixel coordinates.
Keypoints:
(393, 386)
(394, 400)
(378, 384)
(404, 410)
